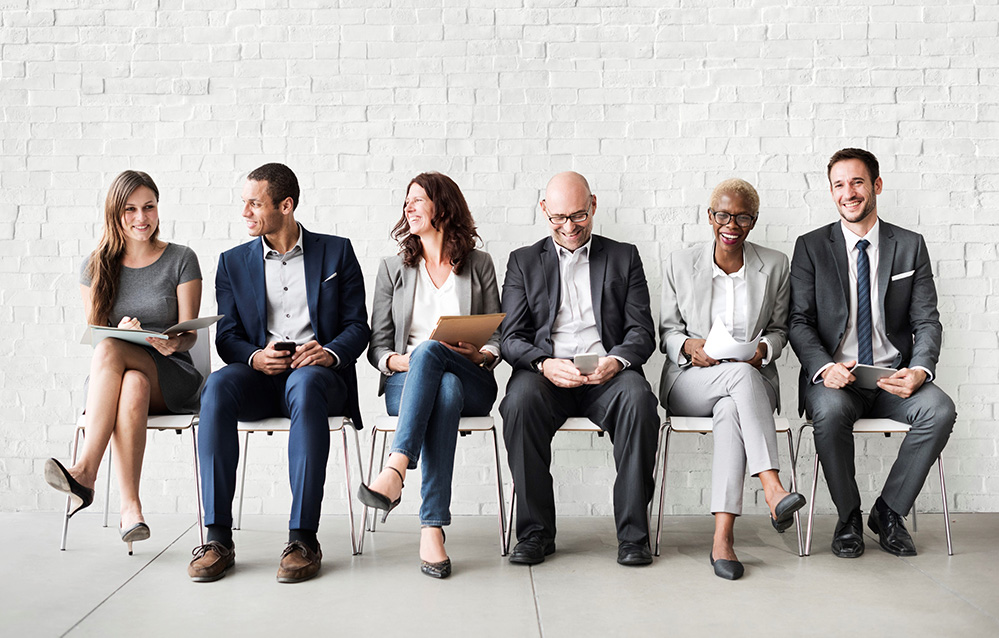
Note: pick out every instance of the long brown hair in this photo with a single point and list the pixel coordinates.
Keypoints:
(104, 267)
(451, 217)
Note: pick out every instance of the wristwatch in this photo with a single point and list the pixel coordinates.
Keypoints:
(537, 363)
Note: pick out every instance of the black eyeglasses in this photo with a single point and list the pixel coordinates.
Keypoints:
(576, 218)
(722, 218)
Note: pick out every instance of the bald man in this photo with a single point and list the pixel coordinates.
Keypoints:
(570, 294)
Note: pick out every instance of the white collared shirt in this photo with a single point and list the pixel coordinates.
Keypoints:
(729, 300)
(575, 329)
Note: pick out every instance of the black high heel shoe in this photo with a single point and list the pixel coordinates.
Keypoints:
(437, 570)
(59, 477)
(377, 500)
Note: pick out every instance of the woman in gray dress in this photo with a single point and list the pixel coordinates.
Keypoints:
(133, 280)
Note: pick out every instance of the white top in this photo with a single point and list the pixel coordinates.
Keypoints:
(575, 329)
(429, 304)
(728, 300)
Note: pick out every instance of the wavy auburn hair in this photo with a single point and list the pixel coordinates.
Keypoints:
(451, 217)
(104, 267)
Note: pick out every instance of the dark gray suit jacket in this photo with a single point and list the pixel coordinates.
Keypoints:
(820, 299)
(531, 299)
(395, 289)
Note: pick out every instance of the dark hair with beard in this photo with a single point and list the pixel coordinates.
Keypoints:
(451, 217)
(281, 183)
(866, 157)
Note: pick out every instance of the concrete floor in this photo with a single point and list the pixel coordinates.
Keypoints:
(96, 589)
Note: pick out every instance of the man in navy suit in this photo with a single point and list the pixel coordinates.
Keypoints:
(303, 292)
(862, 292)
(568, 294)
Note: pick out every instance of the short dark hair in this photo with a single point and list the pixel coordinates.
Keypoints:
(281, 182)
(867, 157)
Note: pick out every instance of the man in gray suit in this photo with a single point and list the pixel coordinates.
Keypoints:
(571, 294)
(862, 292)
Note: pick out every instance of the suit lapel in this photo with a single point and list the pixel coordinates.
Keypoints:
(463, 286)
(756, 284)
(255, 269)
(886, 255)
(837, 245)
(598, 271)
(549, 267)
(409, 276)
(702, 277)
(314, 256)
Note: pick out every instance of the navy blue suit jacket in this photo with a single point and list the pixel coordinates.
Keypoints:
(335, 295)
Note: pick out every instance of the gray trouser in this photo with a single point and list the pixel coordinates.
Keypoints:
(741, 405)
(930, 414)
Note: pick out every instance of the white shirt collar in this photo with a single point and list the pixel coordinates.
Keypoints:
(718, 272)
(581, 253)
(872, 236)
(298, 244)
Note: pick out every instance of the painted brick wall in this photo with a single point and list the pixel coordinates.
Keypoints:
(654, 101)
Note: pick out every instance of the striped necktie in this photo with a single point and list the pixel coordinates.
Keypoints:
(865, 353)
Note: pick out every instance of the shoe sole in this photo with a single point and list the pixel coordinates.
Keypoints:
(138, 533)
(848, 554)
(58, 481)
(635, 563)
(212, 579)
(301, 579)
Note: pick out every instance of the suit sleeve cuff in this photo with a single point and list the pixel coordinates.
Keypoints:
(769, 349)
(817, 377)
(383, 364)
(336, 359)
(493, 350)
(249, 361)
(625, 364)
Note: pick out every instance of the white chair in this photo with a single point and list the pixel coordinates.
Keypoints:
(873, 426)
(572, 424)
(467, 425)
(703, 425)
(280, 424)
(201, 356)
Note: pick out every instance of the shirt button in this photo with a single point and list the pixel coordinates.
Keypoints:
(286, 287)
(284, 263)
(288, 316)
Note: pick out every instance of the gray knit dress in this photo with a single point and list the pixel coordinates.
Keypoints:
(150, 295)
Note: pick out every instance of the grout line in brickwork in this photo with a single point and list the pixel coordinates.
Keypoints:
(127, 581)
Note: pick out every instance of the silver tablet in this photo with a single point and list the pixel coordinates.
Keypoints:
(867, 376)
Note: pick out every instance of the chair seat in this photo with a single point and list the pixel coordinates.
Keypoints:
(158, 421)
(879, 425)
(703, 424)
(466, 424)
(579, 424)
(282, 424)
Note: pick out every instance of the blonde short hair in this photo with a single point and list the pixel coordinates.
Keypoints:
(740, 188)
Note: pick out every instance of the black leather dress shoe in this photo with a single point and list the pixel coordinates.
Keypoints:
(727, 569)
(848, 540)
(532, 550)
(633, 554)
(892, 535)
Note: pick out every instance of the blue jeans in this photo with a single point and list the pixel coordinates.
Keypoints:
(440, 388)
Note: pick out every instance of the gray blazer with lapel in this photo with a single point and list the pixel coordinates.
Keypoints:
(395, 289)
(686, 306)
(820, 299)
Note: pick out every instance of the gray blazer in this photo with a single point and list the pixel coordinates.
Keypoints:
(686, 307)
(395, 289)
(820, 299)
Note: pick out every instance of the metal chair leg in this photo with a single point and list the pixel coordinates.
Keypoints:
(197, 486)
(107, 485)
(350, 501)
(794, 488)
(509, 520)
(655, 480)
(946, 510)
(504, 547)
(381, 466)
(69, 502)
(242, 481)
(662, 488)
(371, 465)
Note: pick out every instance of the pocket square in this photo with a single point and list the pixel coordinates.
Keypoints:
(330, 277)
(902, 275)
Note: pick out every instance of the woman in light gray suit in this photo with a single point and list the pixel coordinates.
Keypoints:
(746, 288)
(430, 384)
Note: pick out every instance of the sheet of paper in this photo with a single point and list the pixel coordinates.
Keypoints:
(720, 345)
(95, 334)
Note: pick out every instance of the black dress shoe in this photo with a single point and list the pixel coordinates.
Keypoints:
(892, 535)
(785, 511)
(59, 477)
(532, 550)
(727, 569)
(848, 540)
(633, 554)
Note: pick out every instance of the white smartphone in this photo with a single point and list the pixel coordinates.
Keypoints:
(586, 363)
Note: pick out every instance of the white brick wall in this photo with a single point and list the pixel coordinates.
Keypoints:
(655, 105)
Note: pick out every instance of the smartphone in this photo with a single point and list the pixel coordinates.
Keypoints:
(586, 363)
(288, 346)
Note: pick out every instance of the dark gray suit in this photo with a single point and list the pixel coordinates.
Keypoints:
(820, 312)
(534, 408)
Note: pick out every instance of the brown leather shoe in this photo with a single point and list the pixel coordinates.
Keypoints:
(211, 561)
(299, 563)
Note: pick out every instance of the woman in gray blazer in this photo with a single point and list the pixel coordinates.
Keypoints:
(430, 384)
(746, 288)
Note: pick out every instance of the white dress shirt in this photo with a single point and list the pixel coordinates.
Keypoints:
(575, 329)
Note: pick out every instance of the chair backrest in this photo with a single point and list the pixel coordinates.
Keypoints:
(201, 355)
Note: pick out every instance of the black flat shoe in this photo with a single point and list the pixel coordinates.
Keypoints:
(848, 539)
(785, 511)
(727, 569)
(437, 570)
(59, 477)
(378, 500)
(633, 554)
(137, 532)
(892, 535)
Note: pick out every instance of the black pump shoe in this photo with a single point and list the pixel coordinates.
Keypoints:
(785, 511)
(59, 477)
(377, 500)
(727, 569)
(437, 570)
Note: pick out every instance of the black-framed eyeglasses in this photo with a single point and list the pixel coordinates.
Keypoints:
(576, 218)
(722, 218)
